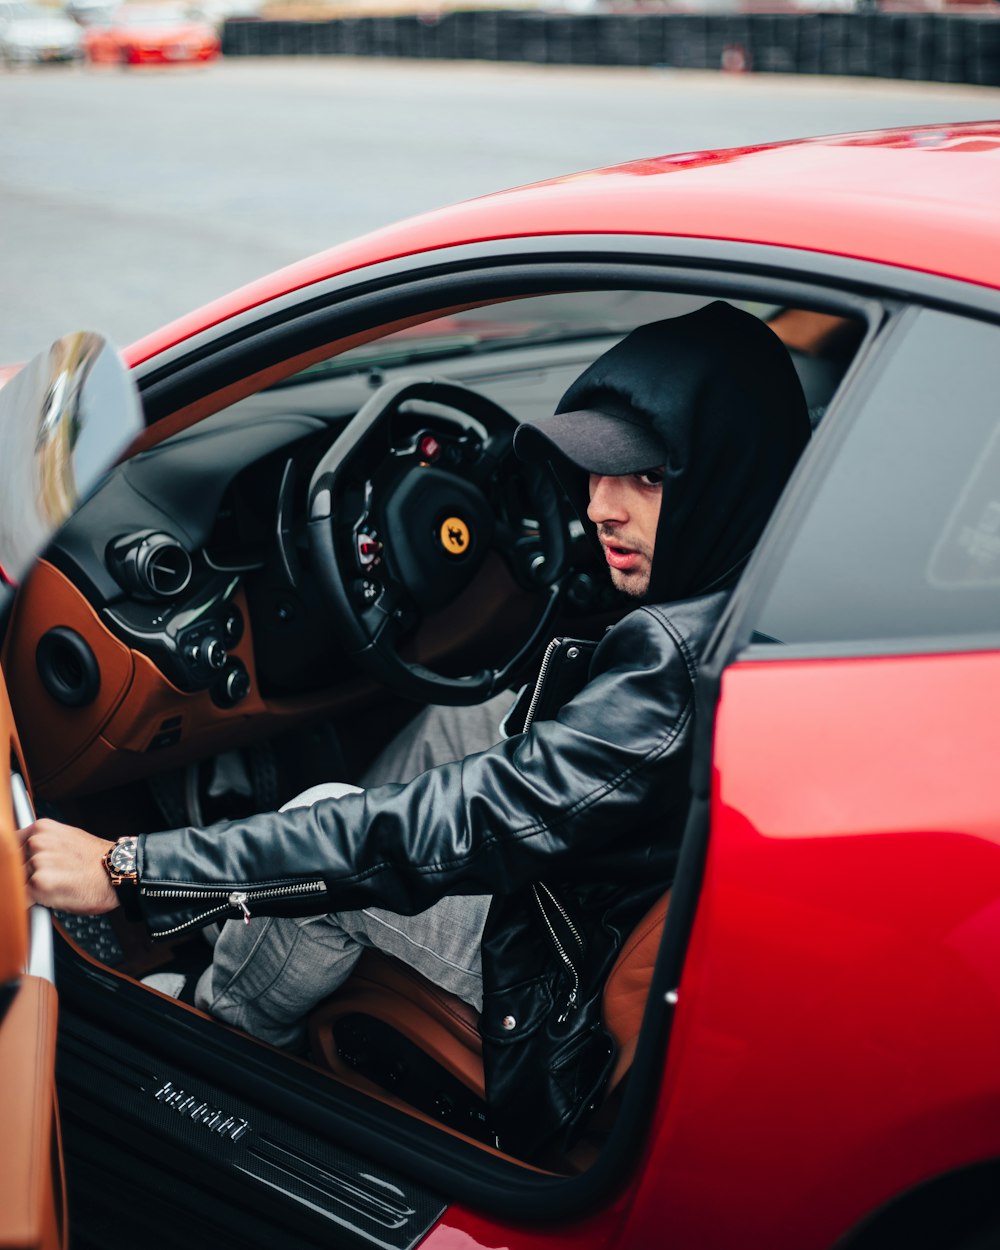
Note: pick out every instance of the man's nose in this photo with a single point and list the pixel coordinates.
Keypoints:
(607, 500)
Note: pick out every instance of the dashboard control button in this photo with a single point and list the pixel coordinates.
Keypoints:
(213, 654)
(369, 549)
(366, 591)
(429, 448)
(234, 627)
(207, 653)
(204, 650)
(234, 686)
(237, 684)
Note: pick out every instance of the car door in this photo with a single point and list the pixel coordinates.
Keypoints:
(32, 1189)
(63, 419)
(839, 1004)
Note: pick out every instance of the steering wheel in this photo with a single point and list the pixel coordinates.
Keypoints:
(402, 511)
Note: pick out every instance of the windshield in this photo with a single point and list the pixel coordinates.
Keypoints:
(557, 318)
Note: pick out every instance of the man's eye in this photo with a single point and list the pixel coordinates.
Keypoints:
(651, 477)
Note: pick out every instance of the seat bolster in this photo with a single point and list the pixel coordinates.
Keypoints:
(441, 1025)
(627, 987)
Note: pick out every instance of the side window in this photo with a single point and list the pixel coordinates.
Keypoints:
(902, 539)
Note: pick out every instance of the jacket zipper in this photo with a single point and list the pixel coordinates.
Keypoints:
(560, 948)
(540, 886)
(543, 669)
(229, 899)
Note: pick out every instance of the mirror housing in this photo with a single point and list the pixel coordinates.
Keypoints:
(65, 418)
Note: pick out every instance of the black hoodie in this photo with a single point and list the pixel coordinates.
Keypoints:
(719, 390)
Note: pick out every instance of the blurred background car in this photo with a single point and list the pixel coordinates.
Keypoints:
(218, 12)
(30, 34)
(86, 12)
(153, 34)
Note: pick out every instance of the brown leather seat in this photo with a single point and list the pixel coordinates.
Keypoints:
(387, 1001)
(444, 1027)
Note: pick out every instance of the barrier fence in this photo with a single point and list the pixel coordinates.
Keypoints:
(925, 46)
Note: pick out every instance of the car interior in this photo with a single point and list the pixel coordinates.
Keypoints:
(243, 610)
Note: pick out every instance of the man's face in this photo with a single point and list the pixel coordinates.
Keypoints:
(626, 511)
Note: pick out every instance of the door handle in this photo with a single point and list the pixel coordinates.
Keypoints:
(41, 950)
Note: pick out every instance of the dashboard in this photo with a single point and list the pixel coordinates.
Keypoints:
(187, 614)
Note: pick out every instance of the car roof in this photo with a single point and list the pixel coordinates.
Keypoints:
(923, 198)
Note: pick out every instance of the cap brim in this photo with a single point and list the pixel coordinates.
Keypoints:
(591, 440)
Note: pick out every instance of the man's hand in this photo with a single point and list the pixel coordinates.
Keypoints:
(64, 868)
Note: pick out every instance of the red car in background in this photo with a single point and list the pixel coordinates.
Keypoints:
(808, 1028)
(150, 35)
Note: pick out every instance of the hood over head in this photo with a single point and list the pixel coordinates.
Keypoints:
(713, 398)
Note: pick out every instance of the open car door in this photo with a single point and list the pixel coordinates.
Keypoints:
(32, 1189)
(63, 420)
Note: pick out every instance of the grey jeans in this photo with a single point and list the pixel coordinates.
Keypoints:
(266, 976)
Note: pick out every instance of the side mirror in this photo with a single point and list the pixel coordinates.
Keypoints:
(65, 418)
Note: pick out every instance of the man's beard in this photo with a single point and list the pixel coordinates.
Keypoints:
(632, 582)
(635, 585)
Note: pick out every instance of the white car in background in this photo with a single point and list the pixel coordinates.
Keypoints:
(30, 34)
(87, 12)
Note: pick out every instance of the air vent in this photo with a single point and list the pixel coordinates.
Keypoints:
(151, 565)
(167, 570)
(67, 667)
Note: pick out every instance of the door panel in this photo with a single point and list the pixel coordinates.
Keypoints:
(13, 904)
(31, 1180)
(835, 1036)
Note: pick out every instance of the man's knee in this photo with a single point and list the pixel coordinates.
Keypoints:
(326, 790)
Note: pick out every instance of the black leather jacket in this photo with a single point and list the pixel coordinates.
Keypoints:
(574, 827)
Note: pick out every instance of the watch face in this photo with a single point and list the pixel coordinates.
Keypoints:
(122, 857)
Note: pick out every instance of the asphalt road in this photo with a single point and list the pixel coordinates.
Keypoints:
(128, 197)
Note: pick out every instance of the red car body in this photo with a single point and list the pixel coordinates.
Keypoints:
(823, 195)
(151, 35)
(825, 1059)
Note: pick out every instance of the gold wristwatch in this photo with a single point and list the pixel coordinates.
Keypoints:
(120, 864)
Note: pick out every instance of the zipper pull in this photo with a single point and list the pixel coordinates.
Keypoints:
(570, 1006)
(238, 899)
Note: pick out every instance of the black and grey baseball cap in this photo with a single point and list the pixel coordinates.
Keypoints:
(713, 397)
(597, 442)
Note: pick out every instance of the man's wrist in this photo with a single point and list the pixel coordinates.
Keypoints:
(120, 862)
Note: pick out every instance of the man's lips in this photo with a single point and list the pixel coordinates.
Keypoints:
(621, 558)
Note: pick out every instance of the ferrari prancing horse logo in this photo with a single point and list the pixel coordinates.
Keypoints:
(454, 535)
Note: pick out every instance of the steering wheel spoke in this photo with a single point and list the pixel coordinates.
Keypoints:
(495, 452)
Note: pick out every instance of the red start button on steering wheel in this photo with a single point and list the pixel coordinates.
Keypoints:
(429, 448)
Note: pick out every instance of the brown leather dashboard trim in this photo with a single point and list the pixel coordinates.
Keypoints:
(53, 734)
(79, 750)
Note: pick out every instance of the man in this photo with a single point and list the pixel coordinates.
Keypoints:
(509, 875)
